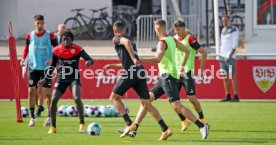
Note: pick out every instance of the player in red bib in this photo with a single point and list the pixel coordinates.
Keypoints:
(67, 55)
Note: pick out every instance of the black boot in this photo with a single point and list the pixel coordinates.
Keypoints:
(227, 98)
(236, 98)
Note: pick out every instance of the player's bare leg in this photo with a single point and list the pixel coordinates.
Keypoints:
(76, 92)
(196, 104)
(180, 109)
(48, 97)
(48, 101)
(197, 107)
(40, 100)
(31, 100)
(56, 96)
(145, 107)
(117, 102)
(119, 105)
(166, 131)
(142, 112)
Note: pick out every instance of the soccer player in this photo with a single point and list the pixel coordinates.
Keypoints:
(38, 48)
(67, 55)
(188, 81)
(134, 76)
(165, 57)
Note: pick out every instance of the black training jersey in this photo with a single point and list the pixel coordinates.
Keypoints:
(68, 62)
(123, 53)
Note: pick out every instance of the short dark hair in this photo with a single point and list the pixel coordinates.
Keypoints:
(225, 15)
(160, 22)
(39, 17)
(179, 23)
(68, 33)
(119, 24)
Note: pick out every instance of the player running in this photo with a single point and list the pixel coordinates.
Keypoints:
(134, 77)
(165, 57)
(188, 81)
(38, 48)
(67, 55)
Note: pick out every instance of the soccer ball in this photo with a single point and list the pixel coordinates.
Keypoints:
(93, 111)
(71, 111)
(113, 112)
(94, 129)
(85, 108)
(108, 111)
(61, 111)
(25, 112)
(105, 112)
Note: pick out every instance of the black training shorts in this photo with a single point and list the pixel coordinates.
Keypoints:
(139, 86)
(35, 76)
(62, 86)
(167, 84)
(189, 84)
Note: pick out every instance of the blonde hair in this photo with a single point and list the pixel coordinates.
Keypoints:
(160, 22)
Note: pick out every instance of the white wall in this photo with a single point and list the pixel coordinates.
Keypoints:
(21, 13)
(8, 12)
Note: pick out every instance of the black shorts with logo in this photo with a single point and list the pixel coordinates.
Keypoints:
(61, 86)
(139, 85)
(189, 84)
(167, 84)
(35, 76)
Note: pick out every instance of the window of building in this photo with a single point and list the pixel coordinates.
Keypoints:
(265, 13)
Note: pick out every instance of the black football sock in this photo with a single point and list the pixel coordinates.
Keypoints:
(40, 109)
(163, 125)
(54, 123)
(32, 110)
(82, 121)
(199, 124)
(127, 119)
(182, 117)
(200, 114)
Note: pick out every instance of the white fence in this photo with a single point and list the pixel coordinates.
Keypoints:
(146, 37)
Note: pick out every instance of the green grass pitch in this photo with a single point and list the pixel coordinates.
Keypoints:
(231, 123)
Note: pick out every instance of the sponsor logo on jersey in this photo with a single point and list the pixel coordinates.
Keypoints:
(72, 51)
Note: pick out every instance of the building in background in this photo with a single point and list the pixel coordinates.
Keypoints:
(21, 13)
